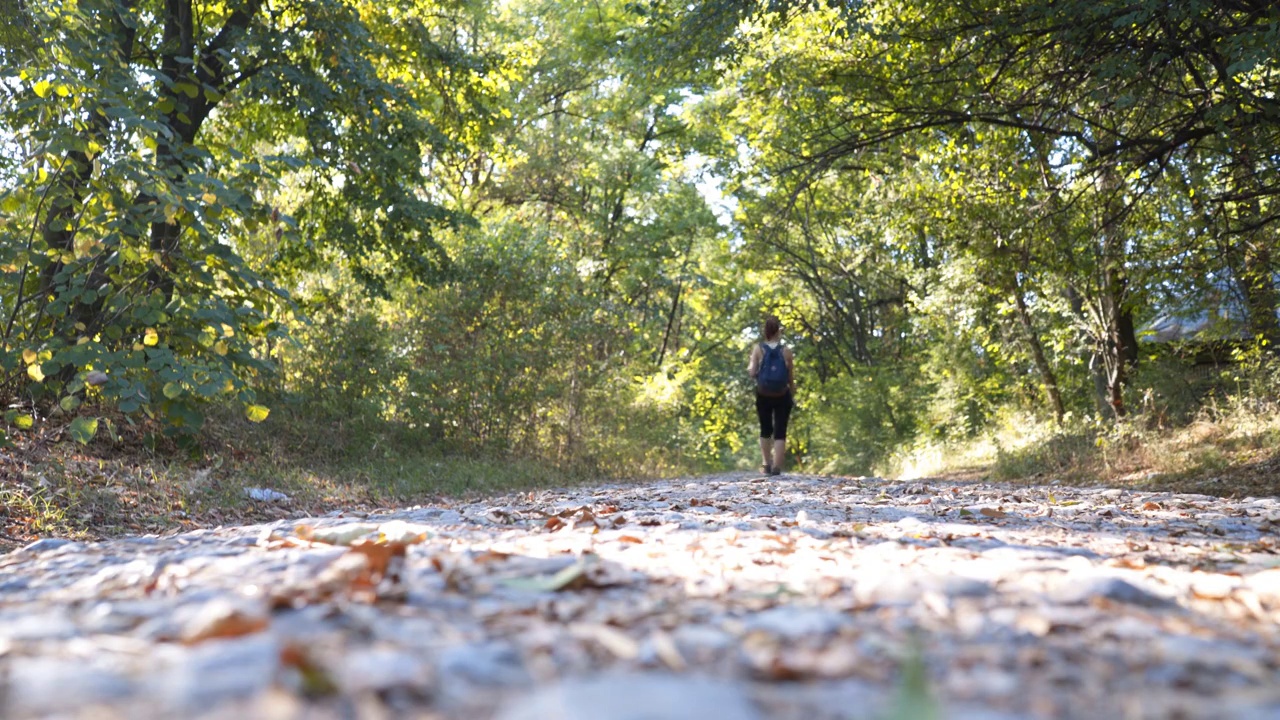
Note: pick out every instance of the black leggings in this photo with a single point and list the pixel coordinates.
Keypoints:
(774, 412)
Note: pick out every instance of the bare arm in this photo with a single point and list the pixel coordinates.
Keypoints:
(753, 364)
(791, 369)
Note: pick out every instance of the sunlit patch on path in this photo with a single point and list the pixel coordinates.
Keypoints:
(728, 596)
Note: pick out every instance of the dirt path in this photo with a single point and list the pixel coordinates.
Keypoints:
(728, 596)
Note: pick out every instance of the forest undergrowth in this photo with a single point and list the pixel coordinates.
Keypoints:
(140, 482)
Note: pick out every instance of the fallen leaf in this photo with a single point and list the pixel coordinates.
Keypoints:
(223, 620)
(399, 531)
(554, 523)
(381, 579)
(994, 513)
(1214, 586)
(615, 641)
(336, 535)
(571, 577)
(313, 680)
(1151, 505)
(488, 556)
(667, 651)
(629, 539)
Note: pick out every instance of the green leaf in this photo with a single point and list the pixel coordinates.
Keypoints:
(22, 421)
(69, 403)
(257, 413)
(83, 429)
(562, 580)
(172, 390)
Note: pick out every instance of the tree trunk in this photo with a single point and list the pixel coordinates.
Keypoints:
(1118, 340)
(1261, 297)
(1114, 349)
(210, 69)
(1257, 277)
(1047, 375)
(1092, 357)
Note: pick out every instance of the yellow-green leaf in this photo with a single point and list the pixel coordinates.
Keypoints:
(151, 337)
(257, 413)
(24, 422)
(35, 373)
(42, 88)
(172, 390)
(29, 356)
(83, 429)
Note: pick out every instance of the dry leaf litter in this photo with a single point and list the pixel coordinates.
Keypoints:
(732, 596)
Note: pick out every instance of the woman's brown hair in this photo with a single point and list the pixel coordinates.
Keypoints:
(772, 327)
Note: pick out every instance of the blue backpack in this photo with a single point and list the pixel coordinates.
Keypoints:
(773, 379)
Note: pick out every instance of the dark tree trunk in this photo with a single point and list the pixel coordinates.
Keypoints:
(1261, 296)
(1119, 346)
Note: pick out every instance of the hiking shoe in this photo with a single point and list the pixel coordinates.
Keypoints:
(775, 471)
(765, 469)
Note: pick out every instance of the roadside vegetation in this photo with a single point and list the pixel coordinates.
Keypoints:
(52, 485)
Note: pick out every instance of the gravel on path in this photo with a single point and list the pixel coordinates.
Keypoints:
(729, 596)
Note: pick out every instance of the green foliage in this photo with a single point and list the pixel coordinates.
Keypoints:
(122, 279)
(551, 230)
(82, 429)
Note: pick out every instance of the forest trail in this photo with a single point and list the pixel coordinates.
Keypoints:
(729, 596)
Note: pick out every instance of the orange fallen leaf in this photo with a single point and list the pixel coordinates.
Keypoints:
(993, 513)
(229, 623)
(383, 562)
(487, 556)
(629, 539)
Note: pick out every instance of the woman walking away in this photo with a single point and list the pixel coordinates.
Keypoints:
(773, 368)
